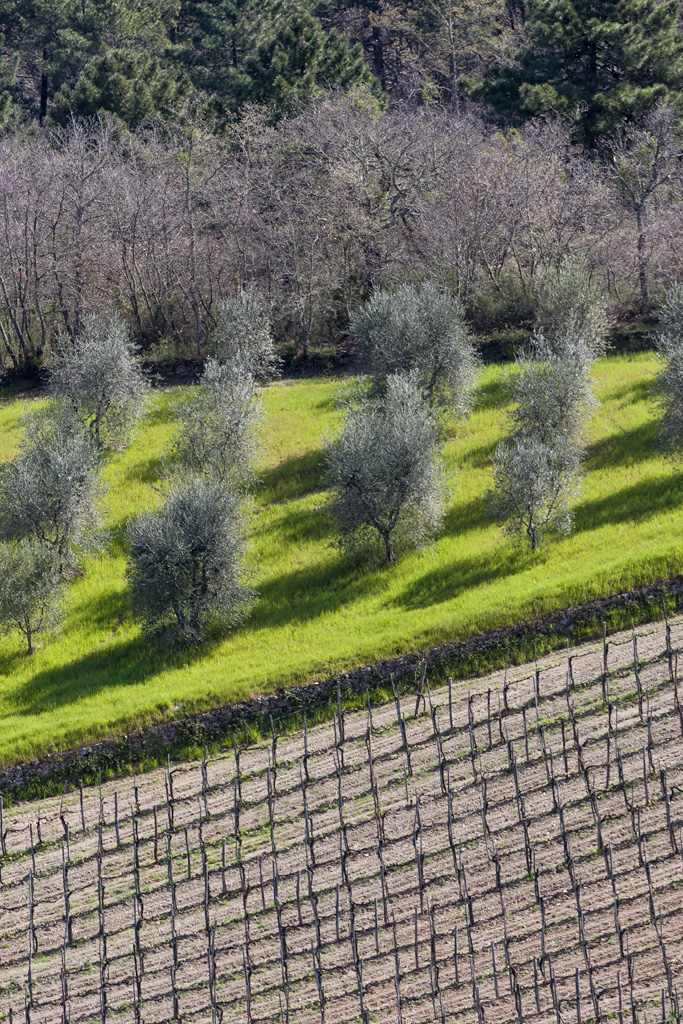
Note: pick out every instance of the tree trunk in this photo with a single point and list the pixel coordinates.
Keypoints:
(43, 96)
(389, 549)
(378, 55)
(642, 259)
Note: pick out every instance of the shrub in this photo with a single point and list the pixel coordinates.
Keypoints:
(670, 381)
(50, 491)
(218, 426)
(242, 340)
(384, 470)
(98, 375)
(30, 589)
(186, 568)
(420, 330)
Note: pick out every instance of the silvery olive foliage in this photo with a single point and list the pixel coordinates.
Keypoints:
(552, 397)
(419, 329)
(571, 313)
(537, 474)
(50, 491)
(535, 483)
(670, 381)
(384, 470)
(98, 375)
(186, 568)
(31, 588)
(218, 426)
(242, 339)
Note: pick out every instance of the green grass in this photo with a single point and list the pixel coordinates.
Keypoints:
(316, 613)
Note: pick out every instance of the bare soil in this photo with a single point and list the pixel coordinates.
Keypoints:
(535, 818)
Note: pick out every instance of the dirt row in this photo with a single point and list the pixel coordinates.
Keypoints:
(378, 866)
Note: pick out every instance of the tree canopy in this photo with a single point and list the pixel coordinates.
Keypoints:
(597, 61)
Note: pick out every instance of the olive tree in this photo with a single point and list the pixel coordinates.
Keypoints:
(419, 329)
(186, 567)
(97, 373)
(571, 312)
(218, 426)
(30, 589)
(552, 398)
(384, 470)
(242, 339)
(50, 491)
(534, 485)
(670, 381)
(537, 473)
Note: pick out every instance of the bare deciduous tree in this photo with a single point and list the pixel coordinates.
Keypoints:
(645, 161)
(186, 567)
(98, 375)
(30, 589)
(383, 467)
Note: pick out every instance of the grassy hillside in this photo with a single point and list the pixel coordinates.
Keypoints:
(317, 613)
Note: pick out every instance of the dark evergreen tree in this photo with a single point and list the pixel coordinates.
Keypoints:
(6, 84)
(301, 61)
(53, 40)
(212, 39)
(598, 61)
(132, 86)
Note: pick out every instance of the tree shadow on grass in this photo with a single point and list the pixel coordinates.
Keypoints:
(637, 503)
(147, 471)
(624, 448)
(306, 594)
(123, 662)
(293, 478)
(634, 391)
(481, 457)
(467, 515)
(491, 395)
(446, 582)
(309, 524)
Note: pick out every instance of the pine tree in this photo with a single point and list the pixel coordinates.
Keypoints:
(301, 61)
(212, 39)
(130, 85)
(53, 40)
(598, 61)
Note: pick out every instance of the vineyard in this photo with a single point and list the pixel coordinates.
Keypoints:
(511, 852)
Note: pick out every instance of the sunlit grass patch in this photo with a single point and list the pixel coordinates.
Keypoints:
(317, 613)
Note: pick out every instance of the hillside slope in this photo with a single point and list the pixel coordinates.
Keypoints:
(317, 613)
